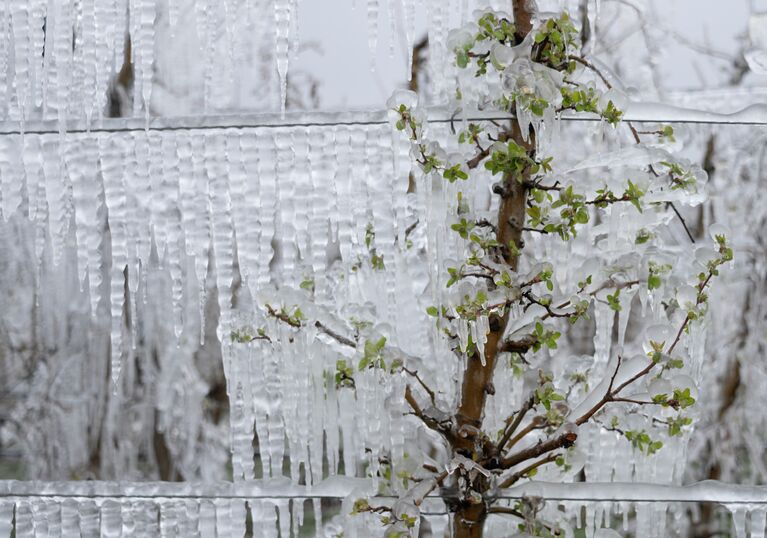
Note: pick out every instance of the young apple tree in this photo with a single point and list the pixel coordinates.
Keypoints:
(503, 307)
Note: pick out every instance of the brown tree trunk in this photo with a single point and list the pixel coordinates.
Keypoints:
(469, 522)
(469, 519)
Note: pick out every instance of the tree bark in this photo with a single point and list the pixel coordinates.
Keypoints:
(469, 519)
(469, 522)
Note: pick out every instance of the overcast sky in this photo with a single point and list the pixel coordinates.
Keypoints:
(346, 80)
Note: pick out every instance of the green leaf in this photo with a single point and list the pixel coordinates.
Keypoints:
(653, 282)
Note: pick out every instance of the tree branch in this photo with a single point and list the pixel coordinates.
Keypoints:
(634, 132)
(334, 335)
(430, 422)
(564, 440)
(425, 387)
(524, 472)
(513, 425)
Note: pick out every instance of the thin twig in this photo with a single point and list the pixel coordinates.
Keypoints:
(681, 219)
(529, 403)
(338, 337)
(634, 132)
(430, 422)
(524, 472)
(283, 317)
(431, 393)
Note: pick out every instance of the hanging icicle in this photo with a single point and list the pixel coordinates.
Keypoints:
(282, 25)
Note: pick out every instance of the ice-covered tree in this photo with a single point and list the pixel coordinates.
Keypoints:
(527, 240)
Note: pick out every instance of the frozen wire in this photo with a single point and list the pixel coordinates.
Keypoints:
(755, 115)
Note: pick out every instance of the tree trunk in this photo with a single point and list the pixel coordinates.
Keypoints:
(469, 522)
(469, 519)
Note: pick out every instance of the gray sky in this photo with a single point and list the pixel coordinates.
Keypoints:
(344, 67)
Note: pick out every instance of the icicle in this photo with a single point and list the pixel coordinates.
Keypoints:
(331, 428)
(481, 327)
(104, 55)
(70, 519)
(376, 148)
(738, 513)
(437, 36)
(316, 392)
(6, 519)
(22, 44)
(208, 518)
(296, 36)
(267, 185)
(23, 208)
(138, 217)
(196, 210)
(128, 517)
(275, 447)
(37, 16)
(408, 7)
(5, 48)
(463, 334)
(283, 512)
(217, 168)
(88, 208)
(38, 199)
(239, 386)
(86, 45)
(346, 405)
(168, 521)
(190, 518)
(282, 22)
(145, 46)
(298, 515)
(758, 516)
(604, 317)
(116, 200)
(624, 314)
(119, 17)
(321, 177)
(264, 512)
(202, 21)
(300, 180)
(317, 511)
(111, 519)
(238, 512)
(62, 54)
(223, 517)
(343, 185)
(25, 527)
(285, 163)
(372, 17)
(358, 192)
(89, 519)
(44, 79)
(173, 229)
(173, 9)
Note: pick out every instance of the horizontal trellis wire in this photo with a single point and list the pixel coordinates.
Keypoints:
(636, 112)
(340, 487)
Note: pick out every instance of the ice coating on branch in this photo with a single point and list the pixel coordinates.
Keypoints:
(635, 156)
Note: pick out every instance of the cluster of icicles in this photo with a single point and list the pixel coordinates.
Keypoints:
(173, 510)
(253, 213)
(59, 59)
